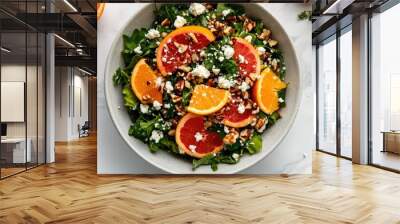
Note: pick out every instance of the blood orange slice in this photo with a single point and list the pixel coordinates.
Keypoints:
(177, 47)
(192, 137)
(233, 118)
(143, 82)
(246, 57)
(265, 91)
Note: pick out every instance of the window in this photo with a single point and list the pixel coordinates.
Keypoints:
(385, 89)
(346, 93)
(327, 96)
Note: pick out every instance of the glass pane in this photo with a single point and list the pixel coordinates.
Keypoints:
(31, 97)
(386, 89)
(346, 94)
(41, 99)
(13, 86)
(327, 96)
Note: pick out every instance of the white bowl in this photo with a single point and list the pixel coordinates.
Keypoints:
(165, 161)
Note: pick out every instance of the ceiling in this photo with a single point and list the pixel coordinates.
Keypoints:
(72, 20)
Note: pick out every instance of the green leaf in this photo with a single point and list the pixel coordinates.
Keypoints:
(120, 77)
(206, 160)
(164, 144)
(254, 145)
(229, 67)
(133, 41)
(219, 128)
(130, 100)
(186, 94)
(143, 127)
(305, 15)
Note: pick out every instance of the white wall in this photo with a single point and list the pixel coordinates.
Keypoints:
(71, 92)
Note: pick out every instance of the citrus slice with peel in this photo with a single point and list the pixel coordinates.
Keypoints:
(177, 47)
(265, 91)
(246, 57)
(233, 118)
(207, 100)
(193, 138)
(143, 82)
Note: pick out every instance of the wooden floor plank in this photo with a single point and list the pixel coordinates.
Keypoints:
(70, 191)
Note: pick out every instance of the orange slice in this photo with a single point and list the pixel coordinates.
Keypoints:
(233, 118)
(246, 57)
(207, 100)
(143, 82)
(193, 138)
(177, 47)
(265, 91)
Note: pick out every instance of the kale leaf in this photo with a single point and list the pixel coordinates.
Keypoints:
(120, 77)
(143, 127)
(130, 100)
(254, 145)
(164, 144)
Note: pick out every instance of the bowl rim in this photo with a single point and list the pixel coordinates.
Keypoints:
(233, 170)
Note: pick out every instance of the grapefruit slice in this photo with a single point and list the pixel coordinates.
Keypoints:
(207, 100)
(177, 47)
(143, 82)
(192, 137)
(265, 91)
(233, 118)
(246, 57)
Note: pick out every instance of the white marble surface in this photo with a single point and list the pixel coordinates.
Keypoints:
(292, 156)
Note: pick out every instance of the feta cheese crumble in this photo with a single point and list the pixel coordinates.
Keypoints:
(226, 12)
(168, 87)
(138, 50)
(216, 70)
(248, 38)
(157, 105)
(156, 136)
(280, 100)
(192, 148)
(197, 9)
(179, 21)
(235, 156)
(228, 51)
(244, 86)
(221, 59)
(167, 105)
(152, 34)
(198, 136)
(241, 108)
(241, 58)
(144, 108)
(226, 129)
(225, 83)
(261, 50)
(159, 81)
(201, 71)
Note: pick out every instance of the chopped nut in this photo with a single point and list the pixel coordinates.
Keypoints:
(185, 68)
(245, 134)
(228, 30)
(195, 57)
(209, 6)
(187, 84)
(265, 34)
(249, 25)
(180, 109)
(180, 85)
(193, 37)
(272, 43)
(175, 98)
(253, 76)
(218, 25)
(207, 124)
(260, 124)
(181, 47)
(163, 34)
(256, 111)
(248, 81)
(231, 137)
(171, 132)
(231, 19)
(165, 22)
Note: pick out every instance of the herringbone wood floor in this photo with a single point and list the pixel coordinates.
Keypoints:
(69, 191)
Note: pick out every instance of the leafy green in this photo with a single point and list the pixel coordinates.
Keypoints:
(130, 100)
(120, 77)
(186, 94)
(133, 41)
(235, 10)
(164, 144)
(305, 15)
(213, 161)
(254, 144)
(219, 128)
(143, 127)
(282, 95)
(169, 11)
(229, 67)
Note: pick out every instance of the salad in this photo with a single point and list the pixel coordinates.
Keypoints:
(202, 83)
